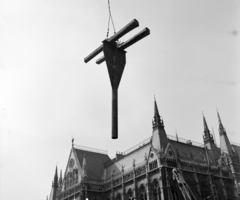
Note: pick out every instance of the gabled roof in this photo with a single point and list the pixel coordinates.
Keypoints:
(94, 162)
(188, 151)
(127, 160)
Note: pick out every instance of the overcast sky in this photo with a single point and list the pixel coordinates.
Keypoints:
(48, 95)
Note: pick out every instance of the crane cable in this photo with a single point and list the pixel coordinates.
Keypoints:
(110, 18)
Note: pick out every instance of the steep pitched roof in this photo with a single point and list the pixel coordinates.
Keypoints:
(127, 160)
(188, 151)
(94, 162)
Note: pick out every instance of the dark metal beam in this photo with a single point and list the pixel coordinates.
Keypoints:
(93, 54)
(145, 32)
(130, 26)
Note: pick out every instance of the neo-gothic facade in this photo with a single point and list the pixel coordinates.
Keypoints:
(145, 173)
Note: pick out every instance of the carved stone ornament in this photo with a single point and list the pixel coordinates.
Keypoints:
(71, 163)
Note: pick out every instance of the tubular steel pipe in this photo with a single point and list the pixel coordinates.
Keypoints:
(130, 26)
(114, 113)
(145, 32)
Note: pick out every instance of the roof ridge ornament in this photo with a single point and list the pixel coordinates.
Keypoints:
(177, 137)
(72, 142)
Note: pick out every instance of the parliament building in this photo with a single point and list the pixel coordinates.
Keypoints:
(146, 172)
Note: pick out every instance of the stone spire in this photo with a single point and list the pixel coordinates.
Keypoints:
(211, 148)
(159, 137)
(177, 136)
(226, 148)
(55, 181)
(207, 137)
(157, 121)
(54, 186)
(221, 129)
(224, 141)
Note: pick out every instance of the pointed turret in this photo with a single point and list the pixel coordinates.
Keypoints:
(224, 141)
(207, 137)
(157, 121)
(55, 181)
(226, 148)
(54, 186)
(221, 129)
(210, 146)
(177, 136)
(159, 136)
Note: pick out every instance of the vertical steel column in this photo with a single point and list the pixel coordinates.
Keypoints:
(115, 60)
(114, 113)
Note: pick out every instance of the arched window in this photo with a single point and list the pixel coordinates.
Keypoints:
(71, 178)
(129, 195)
(142, 192)
(75, 176)
(156, 190)
(68, 180)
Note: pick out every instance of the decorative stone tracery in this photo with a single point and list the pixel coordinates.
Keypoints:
(71, 178)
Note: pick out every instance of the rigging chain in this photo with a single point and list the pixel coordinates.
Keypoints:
(110, 18)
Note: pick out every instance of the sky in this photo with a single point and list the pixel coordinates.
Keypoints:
(48, 95)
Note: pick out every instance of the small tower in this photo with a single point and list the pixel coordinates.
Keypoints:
(227, 150)
(209, 143)
(54, 186)
(224, 141)
(159, 136)
(207, 136)
(55, 181)
(177, 137)
(157, 121)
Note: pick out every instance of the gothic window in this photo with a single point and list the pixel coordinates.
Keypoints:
(75, 176)
(153, 165)
(129, 195)
(68, 180)
(143, 195)
(71, 178)
(156, 190)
